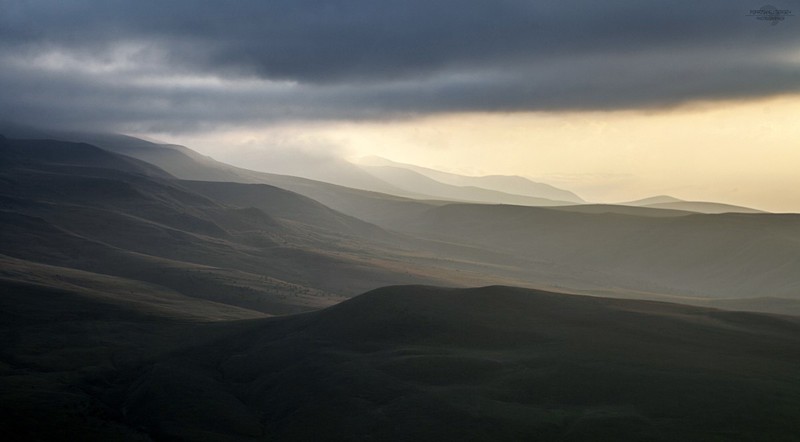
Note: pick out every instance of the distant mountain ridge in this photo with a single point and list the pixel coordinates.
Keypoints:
(658, 199)
(423, 184)
(509, 184)
(669, 202)
(419, 184)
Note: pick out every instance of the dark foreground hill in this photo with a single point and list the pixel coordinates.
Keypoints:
(406, 363)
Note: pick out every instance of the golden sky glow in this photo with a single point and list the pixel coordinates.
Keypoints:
(737, 152)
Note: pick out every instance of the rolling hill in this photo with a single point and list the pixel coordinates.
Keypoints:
(705, 207)
(672, 203)
(138, 304)
(286, 205)
(79, 207)
(412, 362)
(727, 255)
(391, 179)
(616, 250)
(184, 163)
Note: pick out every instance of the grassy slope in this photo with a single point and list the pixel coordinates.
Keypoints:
(138, 296)
(647, 254)
(101, 213)
(574, 248)
(424, 363)
(117, 350)
(729, 255)
(61, 345)
(286, 205)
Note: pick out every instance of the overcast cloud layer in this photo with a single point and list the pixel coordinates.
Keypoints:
(180, 65)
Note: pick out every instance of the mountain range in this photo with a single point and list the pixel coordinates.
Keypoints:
(505, 184)
(153, 293)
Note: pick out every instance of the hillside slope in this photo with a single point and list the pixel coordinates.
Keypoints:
(616, 250)
(727, 255)
(426, 363)
(77, 206)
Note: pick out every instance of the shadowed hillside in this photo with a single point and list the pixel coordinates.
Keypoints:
(285, 205)
(616, 250)
(187, 164)
(727, 255)
(426, 363)
(77, 206)
(135, 306)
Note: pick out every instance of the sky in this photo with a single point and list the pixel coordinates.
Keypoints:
(615, 100)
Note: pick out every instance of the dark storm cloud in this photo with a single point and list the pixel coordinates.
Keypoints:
(371, 59)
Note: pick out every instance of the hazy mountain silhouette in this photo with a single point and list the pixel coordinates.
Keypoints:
(645, 211)
(77, 206)
(510, 184)
(668, 202)
(658, 199)
(398, 180)
(197, 167)
(419, 184)
(184, 163)
(729, 255)
(705, 207)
